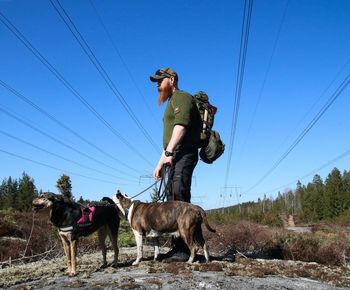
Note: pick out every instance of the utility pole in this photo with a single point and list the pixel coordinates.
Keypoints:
(238, 195)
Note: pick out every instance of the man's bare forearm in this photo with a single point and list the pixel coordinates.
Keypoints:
(176, 137)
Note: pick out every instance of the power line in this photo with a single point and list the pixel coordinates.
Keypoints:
(315, 102)
(247, 13)
(266, 73)
(123, 62)
(56, 155)
(56, 168)
(56, 140)
(29, 102)
(330, 101)
(97, 64)
(46, 63)
(344, 154)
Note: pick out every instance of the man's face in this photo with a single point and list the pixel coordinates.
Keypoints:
(165, 89)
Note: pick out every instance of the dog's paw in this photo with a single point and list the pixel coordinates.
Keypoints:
(136, 263)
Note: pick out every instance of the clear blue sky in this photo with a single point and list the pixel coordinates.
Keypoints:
(201, 41)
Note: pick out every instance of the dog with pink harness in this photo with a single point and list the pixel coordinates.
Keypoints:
(74, 220)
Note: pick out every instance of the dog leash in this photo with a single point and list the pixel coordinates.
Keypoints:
(165, 171)
(145, 189)
(162, 180)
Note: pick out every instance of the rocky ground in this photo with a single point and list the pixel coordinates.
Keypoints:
(222, 273)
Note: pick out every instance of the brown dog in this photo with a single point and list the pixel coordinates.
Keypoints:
(74, 221)
(177, 218)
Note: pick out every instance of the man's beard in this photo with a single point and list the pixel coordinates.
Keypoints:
(164, 94)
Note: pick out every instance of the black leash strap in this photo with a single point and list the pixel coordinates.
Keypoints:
(166, 171)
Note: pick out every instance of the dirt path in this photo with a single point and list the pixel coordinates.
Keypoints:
(291, 221)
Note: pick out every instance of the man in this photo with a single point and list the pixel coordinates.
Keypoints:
(181, 135)
(181, 140)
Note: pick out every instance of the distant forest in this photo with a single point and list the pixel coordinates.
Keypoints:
(318, 200)
(17, 194)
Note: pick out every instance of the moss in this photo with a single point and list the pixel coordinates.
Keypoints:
(125, 278)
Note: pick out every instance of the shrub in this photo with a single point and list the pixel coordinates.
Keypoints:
(344, 218)
(244, 237)
(126, 237)
(320, 247)
(271, 219)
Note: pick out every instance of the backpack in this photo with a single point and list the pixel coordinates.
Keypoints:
(212, 146)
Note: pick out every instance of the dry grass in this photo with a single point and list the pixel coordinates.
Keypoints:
(325, 247)
(327, 244)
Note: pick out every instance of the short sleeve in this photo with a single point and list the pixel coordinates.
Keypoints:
(182, 105)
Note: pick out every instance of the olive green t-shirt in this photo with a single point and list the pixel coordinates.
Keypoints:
(182, 110)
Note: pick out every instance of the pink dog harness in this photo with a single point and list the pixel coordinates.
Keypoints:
(84, 223)
(91, 212)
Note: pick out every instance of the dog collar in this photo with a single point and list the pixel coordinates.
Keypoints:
(128, 207)
(66, 229)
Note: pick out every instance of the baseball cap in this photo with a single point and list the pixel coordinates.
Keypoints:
(162, 74)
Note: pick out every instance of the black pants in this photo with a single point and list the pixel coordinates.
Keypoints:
(180, 174)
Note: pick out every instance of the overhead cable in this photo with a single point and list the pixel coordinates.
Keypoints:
(266, 73)
(56, 140)
(123, 62)
(97, 64)
(247, 13)
(56, 155)
(315, 102)
(325, 107)
(56, 168)
(42, 111)
(46, 63)
(344, 154)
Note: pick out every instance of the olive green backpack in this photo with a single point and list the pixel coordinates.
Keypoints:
(212, 146)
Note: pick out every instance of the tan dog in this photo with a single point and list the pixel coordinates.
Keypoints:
(173, 217)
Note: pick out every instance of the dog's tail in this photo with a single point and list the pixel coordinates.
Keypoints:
(109, 200)
(205, 220)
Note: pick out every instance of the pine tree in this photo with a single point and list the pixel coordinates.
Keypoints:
(346, 188)
(278, 204)
(64, 186)
(12, 193)
(317, 197)
(333, 194)
(27, 192)
(155, 196)
(3, 195)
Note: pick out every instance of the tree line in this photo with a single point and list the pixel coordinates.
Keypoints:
(316, 201)
(17, 194)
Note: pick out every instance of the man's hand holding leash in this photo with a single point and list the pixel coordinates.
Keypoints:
(163, 161)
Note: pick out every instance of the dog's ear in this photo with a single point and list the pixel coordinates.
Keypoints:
(61, 198)
(109, 200)
(49, 195)
(118, 193)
